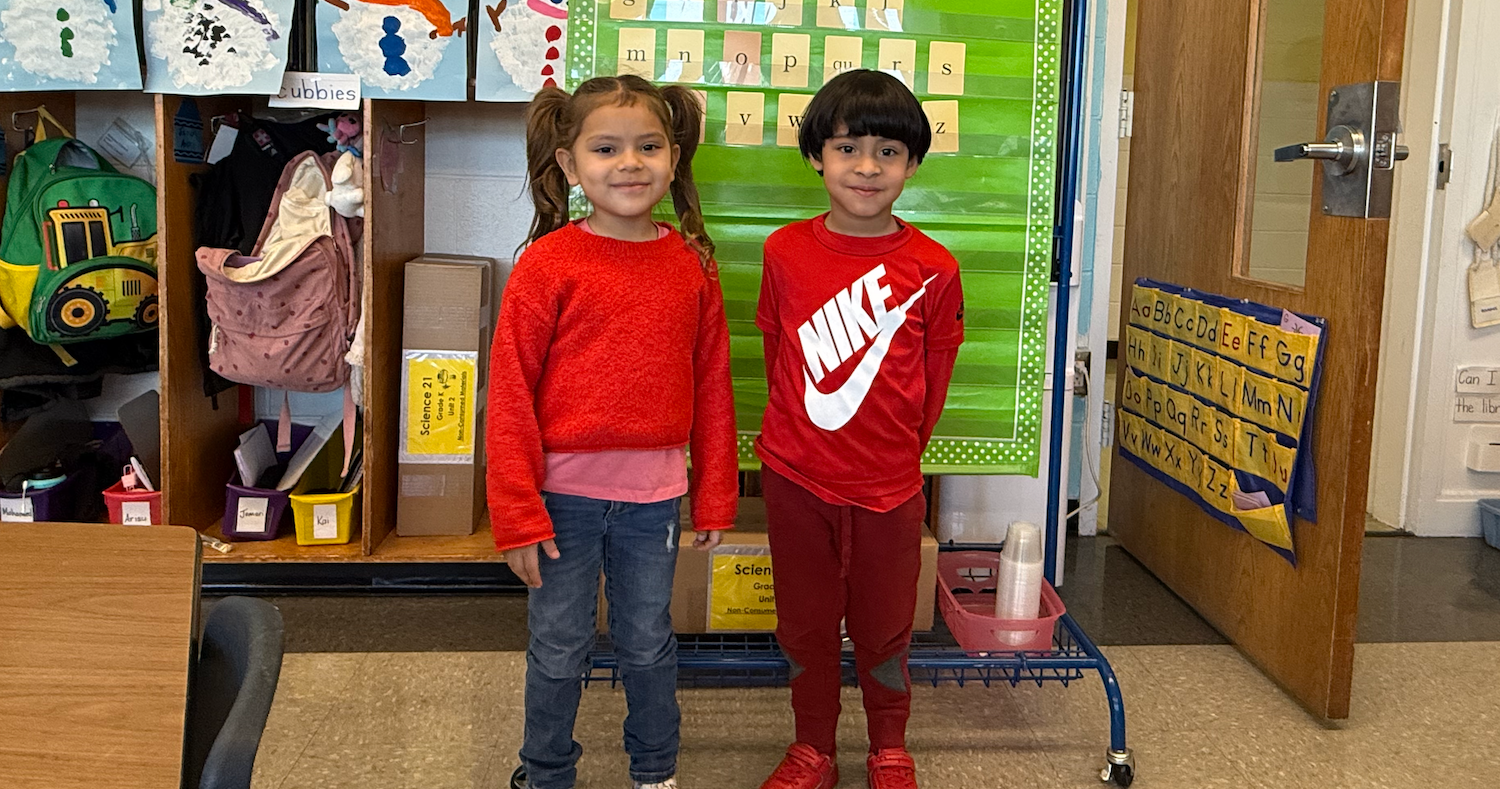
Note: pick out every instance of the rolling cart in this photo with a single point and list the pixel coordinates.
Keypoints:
(755, 660)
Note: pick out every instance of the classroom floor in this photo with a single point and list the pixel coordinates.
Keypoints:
(425, 692)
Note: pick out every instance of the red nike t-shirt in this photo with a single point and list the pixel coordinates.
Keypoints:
(849, 325)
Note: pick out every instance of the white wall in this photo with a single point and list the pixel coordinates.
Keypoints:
(1442, 491)
(476, 179)
(1416, 222)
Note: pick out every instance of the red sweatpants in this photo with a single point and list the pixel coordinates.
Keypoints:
(831, 563)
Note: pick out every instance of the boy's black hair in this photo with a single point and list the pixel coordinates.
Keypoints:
(867, 103)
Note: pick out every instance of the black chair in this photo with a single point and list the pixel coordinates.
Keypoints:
(233, 684)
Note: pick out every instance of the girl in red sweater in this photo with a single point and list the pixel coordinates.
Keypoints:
(610, 365)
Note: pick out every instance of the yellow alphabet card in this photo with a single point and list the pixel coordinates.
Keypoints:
(684, 56)
(637, 52)
(628, 9)
(791, 54)
(789, 111)
(887, 15)
(741, 61)
(840, 54)
(945, 67)
(943, 116)
(898, 57)
(746, 118)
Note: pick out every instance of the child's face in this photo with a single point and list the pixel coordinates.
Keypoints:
(865, 175)
(623, 159)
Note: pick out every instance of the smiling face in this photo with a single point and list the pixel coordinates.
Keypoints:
(864, 177)
(624, 160)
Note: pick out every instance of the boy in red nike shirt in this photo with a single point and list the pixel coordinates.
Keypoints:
(862, 316)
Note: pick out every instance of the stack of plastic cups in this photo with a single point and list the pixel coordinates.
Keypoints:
(1018, 585)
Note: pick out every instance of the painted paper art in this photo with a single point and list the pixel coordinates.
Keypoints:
(400, 49)
(201, 47)
(68, 45)
(522, 48)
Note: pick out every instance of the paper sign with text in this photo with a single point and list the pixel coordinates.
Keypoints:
(313, 89)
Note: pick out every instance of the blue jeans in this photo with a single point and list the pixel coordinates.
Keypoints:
(635, 545)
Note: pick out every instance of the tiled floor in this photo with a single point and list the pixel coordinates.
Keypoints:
(425, 692)
(1424, 715)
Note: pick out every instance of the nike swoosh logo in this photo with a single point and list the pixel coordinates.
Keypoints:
(834, 410)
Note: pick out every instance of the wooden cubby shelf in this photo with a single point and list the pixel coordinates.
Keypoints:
(199, 435)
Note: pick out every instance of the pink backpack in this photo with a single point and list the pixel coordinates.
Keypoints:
(283, 317)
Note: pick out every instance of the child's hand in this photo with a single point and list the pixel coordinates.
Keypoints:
(523, 562)
(706, 540)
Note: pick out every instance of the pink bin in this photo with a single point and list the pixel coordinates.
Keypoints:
(116, 497)
(966, 598)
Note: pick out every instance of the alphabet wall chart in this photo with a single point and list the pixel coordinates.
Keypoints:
(987, 75)
(401, 49)
(202, 47)
(1217, 403)
(522, 48)
(68, 45)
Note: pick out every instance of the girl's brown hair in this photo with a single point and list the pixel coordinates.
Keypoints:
(554, 119)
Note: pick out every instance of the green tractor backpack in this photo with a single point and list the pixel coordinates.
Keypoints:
(77, 246)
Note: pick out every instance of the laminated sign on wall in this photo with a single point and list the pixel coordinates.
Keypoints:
(1217, 403)
(987, 76)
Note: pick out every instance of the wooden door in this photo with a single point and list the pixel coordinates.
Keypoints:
(1201, 78)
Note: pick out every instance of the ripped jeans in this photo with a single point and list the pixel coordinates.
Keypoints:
(635, 545)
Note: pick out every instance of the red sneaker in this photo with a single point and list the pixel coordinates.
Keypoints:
(803, 767)
(891, 768)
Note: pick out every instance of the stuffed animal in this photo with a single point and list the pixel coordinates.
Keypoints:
(346, 132)
(347, 196)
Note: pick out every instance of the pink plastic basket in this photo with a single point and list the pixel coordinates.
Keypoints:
(966, 598)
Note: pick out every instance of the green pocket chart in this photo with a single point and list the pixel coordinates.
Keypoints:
(987, 74)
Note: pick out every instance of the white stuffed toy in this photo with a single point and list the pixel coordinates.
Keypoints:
(347, 196)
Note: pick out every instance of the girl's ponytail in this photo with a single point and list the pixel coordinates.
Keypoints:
(545, 117)
(687, 124)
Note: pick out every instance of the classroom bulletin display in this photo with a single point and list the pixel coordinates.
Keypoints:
(987, 75)
(1218, 402)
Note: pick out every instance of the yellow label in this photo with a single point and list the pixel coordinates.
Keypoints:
(943, 117)
(1159, 350)
(440, 406)
(1179, 363)
(1232, 329)
(1141, 302)
(1260, 345)
(1216, 485)
(741, 594)
(1201, 379)
(1294, 357)
(1137, 351)
(1227, 385)
(1267, 524)
(945, 66)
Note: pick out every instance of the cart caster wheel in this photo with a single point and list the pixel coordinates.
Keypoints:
(1120, 770)
(518, 778)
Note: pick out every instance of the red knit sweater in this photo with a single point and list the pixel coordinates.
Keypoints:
(603, 345)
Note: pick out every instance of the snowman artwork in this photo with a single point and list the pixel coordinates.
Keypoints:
(213, 44)
(62, 39)
(394, 44)
(530, 41)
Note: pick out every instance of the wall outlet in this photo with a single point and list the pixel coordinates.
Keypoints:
(1081, 372)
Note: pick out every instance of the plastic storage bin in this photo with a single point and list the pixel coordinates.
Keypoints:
(253, 513)
(324, 518)
(1489, 521)
(57, 503)
(132, 507)
(966, 599)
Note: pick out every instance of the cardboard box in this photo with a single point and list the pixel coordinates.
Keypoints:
(445, 346)
(691, 585)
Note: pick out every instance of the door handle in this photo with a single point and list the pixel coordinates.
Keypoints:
(1341, 152)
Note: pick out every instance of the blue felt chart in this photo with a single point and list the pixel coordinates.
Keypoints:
(401, 49)
(68, 45)
(203, 47)
(522, 48)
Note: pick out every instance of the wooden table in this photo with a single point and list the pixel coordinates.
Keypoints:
(97, 629)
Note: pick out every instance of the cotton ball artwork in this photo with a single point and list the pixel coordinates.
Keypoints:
(531, 41)
(213, 44)
(388, 46)
(60, 39)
